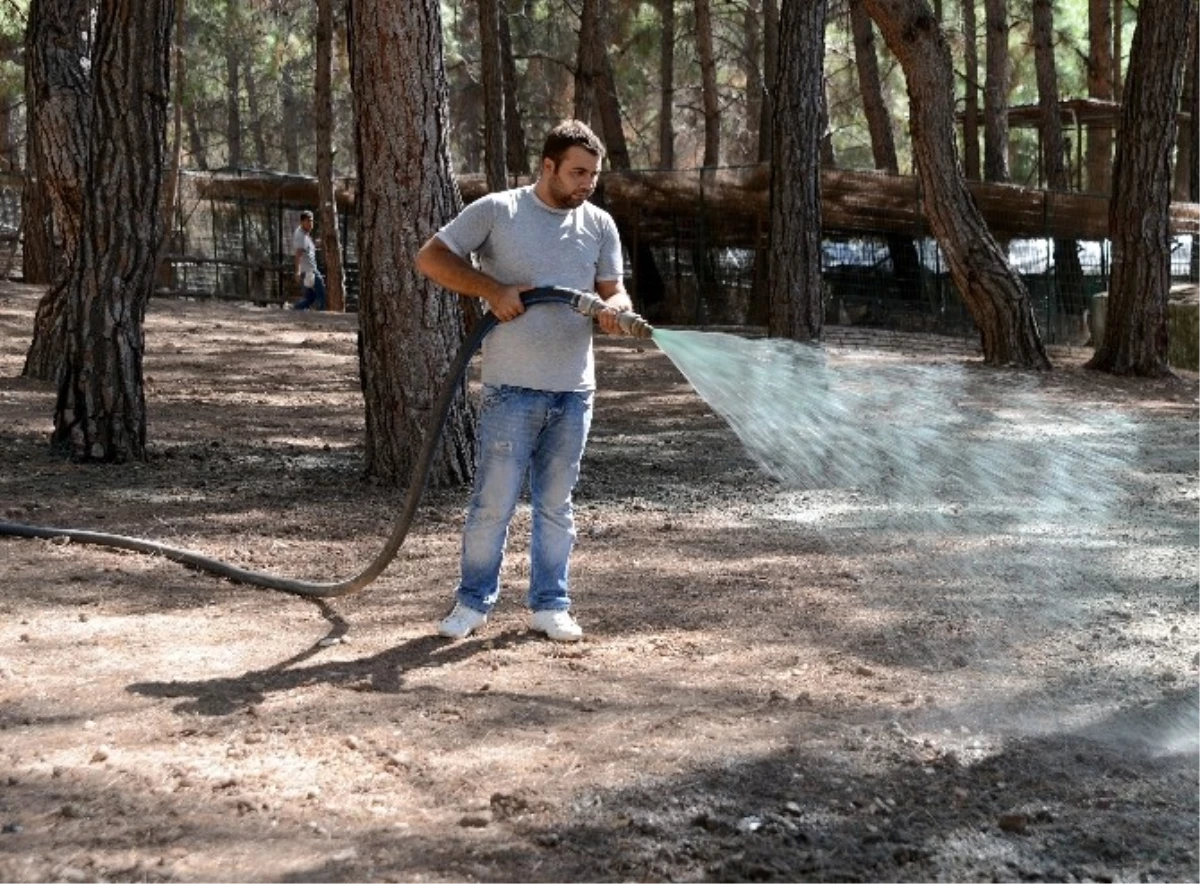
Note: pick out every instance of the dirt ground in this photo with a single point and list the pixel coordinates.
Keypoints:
(755, 698)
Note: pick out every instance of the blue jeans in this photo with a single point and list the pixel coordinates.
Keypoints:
(313, 297)
(524, 433)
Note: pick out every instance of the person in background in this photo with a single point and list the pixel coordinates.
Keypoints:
(305, 250)
(538, 368)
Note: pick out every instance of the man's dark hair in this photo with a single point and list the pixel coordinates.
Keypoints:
(306, 215)
(568, 134)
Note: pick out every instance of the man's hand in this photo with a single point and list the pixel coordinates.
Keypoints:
(505, 301)
(616, 302)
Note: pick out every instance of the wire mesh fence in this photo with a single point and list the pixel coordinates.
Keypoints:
(696, 255)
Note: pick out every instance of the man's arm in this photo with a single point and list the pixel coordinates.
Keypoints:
(436, 261)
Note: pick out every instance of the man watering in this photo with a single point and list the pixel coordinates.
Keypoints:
(538, 368)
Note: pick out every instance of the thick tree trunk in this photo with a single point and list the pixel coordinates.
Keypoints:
(1193, 173)
(666, 75)
(1068, 273)
(196, 144)
(971, 91)
(587, 64)
(410, 329)
(1135, 329)
(258, 135)
(518, 153)
(610, 115)
(870, 86)
(992, 291)
(995, 92)
(233, 88)
(903, 250)
(1187, 161)
(796, 303)
(59, 94)
(766, 137)
(1099, 154)
(708, 84)
(752, 73)
(491, 53)
(100, 414)
(290, 125)
(331, 241)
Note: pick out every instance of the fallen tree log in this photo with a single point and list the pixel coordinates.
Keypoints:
(733, 205)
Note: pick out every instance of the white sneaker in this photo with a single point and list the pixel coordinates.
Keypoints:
(461, 621)
(558, 625)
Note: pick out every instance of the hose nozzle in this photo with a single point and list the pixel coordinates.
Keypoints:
(590, 305)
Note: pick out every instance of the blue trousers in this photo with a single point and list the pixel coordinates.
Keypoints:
(524, 433)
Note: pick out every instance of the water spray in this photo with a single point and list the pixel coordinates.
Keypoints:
(584, 302)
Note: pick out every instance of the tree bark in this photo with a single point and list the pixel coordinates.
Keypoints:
(518, 153)
(1193, 174)
(410, 330)
(708, 84)
(495, 152)
(1067, 271)
(995, 92)
(587, 65)
(796, 302)
(1187, 161)
(971, 91)
(870, 86)
(1135, 330)
(994, 294)
(331, 241)
(1099, 151)
(616, 147)
(666, 75)
(766, 137)
(58, 91)
(752, 73)
(906, 266)
(56, 94)
(100, 413)
(233, 88)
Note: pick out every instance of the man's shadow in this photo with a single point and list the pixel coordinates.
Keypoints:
(382, 672)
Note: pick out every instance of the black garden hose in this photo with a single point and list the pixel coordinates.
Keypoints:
(584, 302)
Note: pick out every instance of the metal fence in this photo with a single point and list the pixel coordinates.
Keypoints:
(681, 268)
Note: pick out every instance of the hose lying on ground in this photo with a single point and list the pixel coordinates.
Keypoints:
(584, 302)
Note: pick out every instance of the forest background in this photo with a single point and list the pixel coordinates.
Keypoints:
(756, 85)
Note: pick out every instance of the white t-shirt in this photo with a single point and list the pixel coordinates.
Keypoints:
(301, 241)
(519, 240)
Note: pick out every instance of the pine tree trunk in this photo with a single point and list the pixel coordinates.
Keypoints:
(587, 65)
(906, 267)
(410, 330)
(100, 414)
(518, 153)
(993, 293)
(1068, 273)
(1135, 329)
(766, 137)
(331, 240)
(971, 91)
(59, 95)
(708, 84)
(796, 302)
(995, 93)
(1099, 155)
(495, 152)
(233, 89)
(666, 75)
(752, 73)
